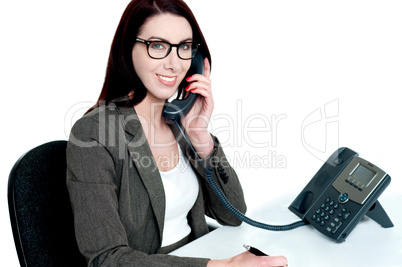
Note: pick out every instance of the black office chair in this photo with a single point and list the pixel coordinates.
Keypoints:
(40, 211)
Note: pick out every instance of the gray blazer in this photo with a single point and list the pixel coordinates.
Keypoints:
(117, 194)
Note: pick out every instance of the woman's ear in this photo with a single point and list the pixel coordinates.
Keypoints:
(131, 94)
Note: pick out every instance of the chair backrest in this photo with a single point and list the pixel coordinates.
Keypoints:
(40, 210)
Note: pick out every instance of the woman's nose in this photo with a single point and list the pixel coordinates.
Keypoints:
(173, 60)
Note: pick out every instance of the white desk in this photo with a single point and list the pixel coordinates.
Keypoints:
(368, 245)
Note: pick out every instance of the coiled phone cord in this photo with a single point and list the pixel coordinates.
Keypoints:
(228, 205)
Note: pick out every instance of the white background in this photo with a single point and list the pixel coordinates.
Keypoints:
(293, 60)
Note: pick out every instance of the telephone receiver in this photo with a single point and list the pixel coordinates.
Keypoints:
(178, 108)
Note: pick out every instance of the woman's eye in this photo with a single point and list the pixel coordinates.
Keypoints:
(185, 46)
(158, 46)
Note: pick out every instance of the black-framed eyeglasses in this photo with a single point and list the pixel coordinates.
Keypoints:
(161, 49)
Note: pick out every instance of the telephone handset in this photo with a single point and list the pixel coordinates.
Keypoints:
(341, 193)
(178, 108)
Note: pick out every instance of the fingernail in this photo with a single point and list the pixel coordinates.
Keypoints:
(188, 78)
(192, 89)
(186, 89)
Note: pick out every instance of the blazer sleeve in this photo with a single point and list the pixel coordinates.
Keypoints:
(226, 178)
(91, 181)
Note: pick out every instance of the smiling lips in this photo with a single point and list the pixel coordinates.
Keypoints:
(167, 80)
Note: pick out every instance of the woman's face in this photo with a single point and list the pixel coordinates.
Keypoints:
(162, 77)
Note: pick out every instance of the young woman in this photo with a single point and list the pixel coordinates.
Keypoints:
(136, 188)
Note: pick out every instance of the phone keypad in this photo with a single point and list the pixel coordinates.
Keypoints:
(331, 215)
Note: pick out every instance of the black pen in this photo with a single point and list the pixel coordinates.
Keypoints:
(254, 250)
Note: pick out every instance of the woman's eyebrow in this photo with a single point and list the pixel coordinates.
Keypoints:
(164, 40)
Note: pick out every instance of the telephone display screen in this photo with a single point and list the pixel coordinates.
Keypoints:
(363, 175)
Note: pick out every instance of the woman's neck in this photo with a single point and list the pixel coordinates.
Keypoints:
(149, 112)
(159, 136)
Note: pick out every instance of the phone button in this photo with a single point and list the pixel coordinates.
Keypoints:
(343, 198)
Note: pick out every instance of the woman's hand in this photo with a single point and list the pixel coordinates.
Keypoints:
(248, 259)
(197, 120)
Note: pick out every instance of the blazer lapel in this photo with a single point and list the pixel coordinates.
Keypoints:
(142, 157)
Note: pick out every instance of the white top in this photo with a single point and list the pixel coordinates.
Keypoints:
(181, 190)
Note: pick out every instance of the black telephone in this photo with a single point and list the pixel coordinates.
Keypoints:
(178, 108)
(341, 193)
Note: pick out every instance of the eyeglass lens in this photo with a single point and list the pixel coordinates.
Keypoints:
(162, 49)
